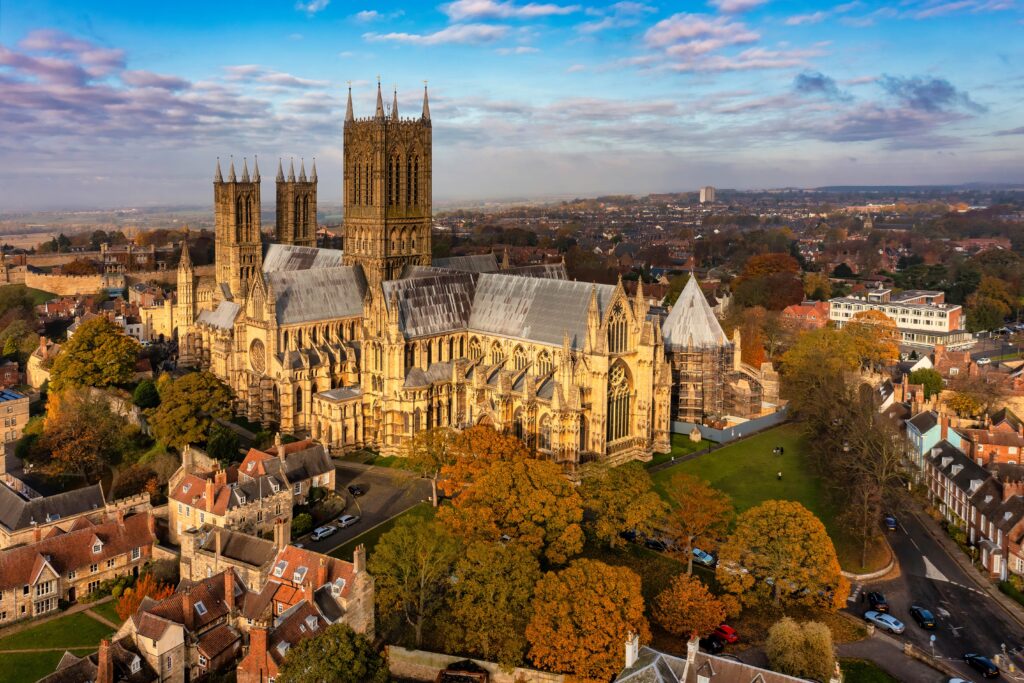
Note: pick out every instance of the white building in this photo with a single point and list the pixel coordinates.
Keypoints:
(922, 317)
(707, 195)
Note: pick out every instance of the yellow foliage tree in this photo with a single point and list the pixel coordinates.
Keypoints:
(472, 451)
(687, 608)
(699, 512)
(875, 336)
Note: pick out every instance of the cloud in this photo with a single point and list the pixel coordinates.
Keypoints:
(931, 95)
(938, 8)
(312, 6)
(812, 18)
(520, 50)
(90, 58)
(1012, 131)
(462, 10)
(683, 28)
(368, 15)
(734, 6)
(576, 68)
(252, 73)
(148, 79)
(817, 84)
(459, 34)
(619, 15)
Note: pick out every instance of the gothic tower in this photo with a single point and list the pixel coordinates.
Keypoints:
(387, 190)
(236, 208)
(296, 206)
(185, 315)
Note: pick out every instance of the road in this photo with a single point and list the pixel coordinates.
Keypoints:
(992, 348)
(389, 492)
(969, 620)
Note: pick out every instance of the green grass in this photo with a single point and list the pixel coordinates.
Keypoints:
(863, 671)
(1008, 588)
(421, 511)
(37, 296)
(74, 630)
(681, 445)
(748, 471)
(108, 610)
(31, 666)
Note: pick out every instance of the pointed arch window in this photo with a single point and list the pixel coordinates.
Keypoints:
(544, 434)
(415, 179)
(409, 180)
(543, 363)
(497, 357)
(584, 434)
(618, 332)
(619, 397)
(475, 352)
(519, 358)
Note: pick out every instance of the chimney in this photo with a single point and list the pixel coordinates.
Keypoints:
(632, 649)
(307, 592)
(939, 354)
(217, 544)
(280, 446)
(321, 572)
(186, 611)
(105, 664)
(119, 516)
(1011, 489)
(209, 495)
(692, 647)
(258, 643)
(359, 559)
(229, 589)
(37, 534)
(220, 478)
(943, 427)
(151, 521)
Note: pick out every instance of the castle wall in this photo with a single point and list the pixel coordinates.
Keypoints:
(71, 285)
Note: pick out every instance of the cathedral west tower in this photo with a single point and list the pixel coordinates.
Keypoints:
(387, 190)
(236, 208)
(296, 206)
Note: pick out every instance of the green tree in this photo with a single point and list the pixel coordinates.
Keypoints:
(930, 378)
(675, 288)
(98, 355)
(412, 566)
(145, 395)
(189, 406)
(801, 650)
(223, 444)
(429, 451)
(302, 523)
(491, 602)
(336, 654)
(620, 499)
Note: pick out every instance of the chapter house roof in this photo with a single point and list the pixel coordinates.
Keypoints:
(691, 322)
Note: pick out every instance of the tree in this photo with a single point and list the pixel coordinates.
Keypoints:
(814, 368)
(302, 523)
(82, 435)
(146, 587)
(817, 286)
(429, 451)
(698, 512)
(491, 602)
(780, 551)
(134, 479)
(79, 266)
(675, 288)
(989, 305)
(189, 406)
(769, 264)
(222, 444)
(336, 654)
(687, 608)
(930, 378)
(528, 501)
(979, 392)
(620, 499)
(145, 395)
(411, 565)
(98, 355)
(801, 650)
(473, 450)
(582, 617)
(875, 336)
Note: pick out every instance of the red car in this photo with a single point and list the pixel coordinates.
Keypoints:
(727, 633)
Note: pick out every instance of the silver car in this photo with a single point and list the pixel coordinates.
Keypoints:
(886, 622)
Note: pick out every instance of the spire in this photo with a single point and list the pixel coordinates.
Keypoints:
(394, 106)
(302, 170)
(255, 168)
(217, 177)
(592, 310)
(245, 170)
(312, 177)
(380, 102)
(280, 171)
(231, 171)
(348, 109)
(185, 262)
(505, 265)
(426, 104)
(291, 171)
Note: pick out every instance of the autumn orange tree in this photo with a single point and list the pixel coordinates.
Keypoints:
(429, 451)
(82, 435)
(620, 499)
(472, 451)
(698, 513)
(583, 616)
(687, 608)
(875, 336)
(527, 502)
(780, 552)
(146, 587)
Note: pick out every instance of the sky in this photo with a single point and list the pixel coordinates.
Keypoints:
(112, 103)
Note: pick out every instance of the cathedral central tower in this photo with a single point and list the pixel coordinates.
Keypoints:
(387, 190)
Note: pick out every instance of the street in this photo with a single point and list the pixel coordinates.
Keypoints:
(968, 619)
(389, 492)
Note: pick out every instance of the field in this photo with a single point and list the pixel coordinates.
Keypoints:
(37, 296)
(78, 632)
(748, 471)
(422, 512)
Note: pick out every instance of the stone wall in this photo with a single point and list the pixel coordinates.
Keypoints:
(420, 665)
(70, 285)
(166, 277)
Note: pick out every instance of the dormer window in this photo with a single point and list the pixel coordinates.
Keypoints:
(241, 499)
(280, 568)
(282, 647)
(97, 547)
(337, 587)
(249, 467)
(274, 486)
(299, 574)
(185, 488)
(200, 608)
(312, 623)
(136, 665)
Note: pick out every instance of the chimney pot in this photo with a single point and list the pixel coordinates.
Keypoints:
(229, 589)
(104, 665)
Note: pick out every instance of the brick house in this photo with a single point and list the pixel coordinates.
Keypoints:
(68, 565)
(10, 374)
(999, 440)
(27, 520)
(118, 661)
(809, 315)
(14, 409)
(302, 465)
(210, 550)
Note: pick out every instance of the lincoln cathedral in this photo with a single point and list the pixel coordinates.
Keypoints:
(365, 346)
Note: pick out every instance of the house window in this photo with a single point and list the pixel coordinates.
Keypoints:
(200, 608)
(168, 663)
(202, 661)
(136, 553)
(181, 508)
(96, 548)
(202, 518)
(111, 562)
(298, 488)
(44, 588)
(93, 568)
(71, 577)
(93, 585)
(3, 616)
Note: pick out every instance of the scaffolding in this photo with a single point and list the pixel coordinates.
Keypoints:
(698, 381)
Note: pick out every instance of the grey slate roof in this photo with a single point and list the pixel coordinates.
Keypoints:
(924, 422)
(18, 513)
(222, 317)
(537, 309)
(432, 305)
(294, 257)
(652, 666)
(252, 550)
(474, 263)
(317, 294)
(691, 322)
(342, 393)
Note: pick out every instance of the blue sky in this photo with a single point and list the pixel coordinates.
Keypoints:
(127, 103)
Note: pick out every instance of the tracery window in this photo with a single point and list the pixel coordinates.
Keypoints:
(519, 358)
(475, 352)
(618, 337)
(618, 402)
(543, 363)
(497, 357)
(544, 435)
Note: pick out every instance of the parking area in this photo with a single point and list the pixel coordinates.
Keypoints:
(386, 492)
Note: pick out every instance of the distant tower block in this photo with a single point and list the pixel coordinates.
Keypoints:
(707, 195)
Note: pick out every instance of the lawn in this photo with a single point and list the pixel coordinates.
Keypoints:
(421, 511)
(108, 610)
(77, 630)
(863, 671)
(681, 445)
(31, 666)
(748, 471)
(37, 296)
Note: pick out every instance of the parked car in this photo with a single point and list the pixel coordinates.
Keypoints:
(886, 622)
(656, 544)
(322, 532)
(712, 644)
(983, 361)
(982, 665)
(628, 535)
(726, 633)
(890, 523)
(356, 490)
(878, 602)
(701, 557)
(924, 618)
(347, 520)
